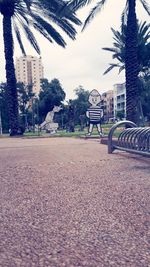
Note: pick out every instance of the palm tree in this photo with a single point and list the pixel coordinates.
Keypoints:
(131, 60)
(24, 15)
(143, 48)
(143, 55)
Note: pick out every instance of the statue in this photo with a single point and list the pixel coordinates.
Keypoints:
(94, 112)
(48, 124)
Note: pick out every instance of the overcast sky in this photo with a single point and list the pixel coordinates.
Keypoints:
(83, 61)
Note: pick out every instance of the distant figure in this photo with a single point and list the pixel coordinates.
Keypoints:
(49, 124)
(94, 112)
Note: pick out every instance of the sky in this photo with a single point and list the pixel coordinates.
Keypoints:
(83, 61)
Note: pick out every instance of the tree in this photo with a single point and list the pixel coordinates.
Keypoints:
(131, 61)
(71, 116)
(25, 95)
(27, 14)
(143, 56)
(3, 107)
(120, 114)
(80, 104)
(145, 96)
(118, 49)
(51, 94)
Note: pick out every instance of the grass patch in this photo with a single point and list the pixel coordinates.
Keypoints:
(77, 133)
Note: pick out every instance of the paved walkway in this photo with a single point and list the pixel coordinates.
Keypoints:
(66, 202)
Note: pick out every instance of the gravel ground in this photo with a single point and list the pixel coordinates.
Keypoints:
(66, 202)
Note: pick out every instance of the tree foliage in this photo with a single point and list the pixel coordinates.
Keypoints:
(25, 95)
(80, 104)
(143, 48)
(3, 107)
(145, 95)
(41, 16)
(52, 94)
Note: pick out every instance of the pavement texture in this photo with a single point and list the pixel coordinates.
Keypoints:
(66, 202)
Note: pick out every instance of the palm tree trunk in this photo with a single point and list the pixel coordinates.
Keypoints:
(131, 65)
(10, 75)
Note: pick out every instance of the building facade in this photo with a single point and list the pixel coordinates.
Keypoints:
(107, 103)
(119, 100)
(29, 70)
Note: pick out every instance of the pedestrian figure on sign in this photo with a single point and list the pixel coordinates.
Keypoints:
(94, 112)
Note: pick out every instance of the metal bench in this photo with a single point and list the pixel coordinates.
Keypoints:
(133, 139)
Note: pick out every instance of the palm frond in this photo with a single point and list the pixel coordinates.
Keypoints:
(94, 12)
(121, 68)
(67, 28)
(118, 48)
(27, 3)
(50, 30)
(42, 31)
(119, 57)
(77, 4)
(58, 9)
(68, 13)
(146, 6)
(112, 65)
(144, 31)
(18, 36)
(124, 14)
(71, 18)
(113, 50)
(117, 35)
(21, 12)
(31, 38)
(64, 24)
(119, 45)
(39, 13)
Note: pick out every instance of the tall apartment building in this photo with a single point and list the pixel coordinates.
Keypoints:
(119, 99)
(29, 70)
(107, 103)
